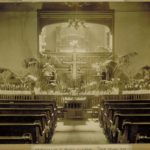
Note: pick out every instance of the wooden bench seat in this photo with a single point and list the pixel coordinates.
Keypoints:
(28, 101)
(128, 110)
(106, 103)
(35, 112)
(47, 126)
(18, 129)
(47, 111)
(113, 114)
(104, 110)
(24, 139)
(53, 103)
(106, 114)
(31, 117)
(142, 139)
(110, 112)
(29, 105)
(116, 125)
(24, 118)
(125, 105)
(26, 104)
(21, 110)
(107, 106)
(126, 101)
(132, 130)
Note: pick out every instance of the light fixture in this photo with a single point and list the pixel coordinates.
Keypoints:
(76, 23)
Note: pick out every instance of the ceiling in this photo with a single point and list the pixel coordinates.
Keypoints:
(68, 6)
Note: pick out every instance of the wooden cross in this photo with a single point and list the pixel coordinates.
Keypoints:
(74, 64)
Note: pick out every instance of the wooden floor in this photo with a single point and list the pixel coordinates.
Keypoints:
(79, 132)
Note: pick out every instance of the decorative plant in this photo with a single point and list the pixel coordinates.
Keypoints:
(116, 76)
(45, 75)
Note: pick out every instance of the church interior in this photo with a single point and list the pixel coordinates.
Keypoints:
(74, 72)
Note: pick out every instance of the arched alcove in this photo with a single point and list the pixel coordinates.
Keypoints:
(90, 20)
(74, 41)
(66, 37)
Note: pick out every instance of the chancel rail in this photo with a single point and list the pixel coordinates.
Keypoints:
(13, 96)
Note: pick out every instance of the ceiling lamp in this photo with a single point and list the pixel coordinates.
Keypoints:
(76, 23)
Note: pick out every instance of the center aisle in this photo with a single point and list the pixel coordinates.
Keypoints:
(79, 132)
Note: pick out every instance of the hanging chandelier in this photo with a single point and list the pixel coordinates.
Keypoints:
(76, 23)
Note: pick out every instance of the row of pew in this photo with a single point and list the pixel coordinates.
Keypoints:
(27, 121)
(125, 121)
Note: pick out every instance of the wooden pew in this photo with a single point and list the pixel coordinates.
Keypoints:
(133, 130)
(46, 111)
(105, 110)
(24, 139)
(125, 105)
(24, 118)
(29, 105)
(53, 103)
(29, 118)
(106, 104)
(108, 113)
(28, 101)
(126, 101)
(142, 139)
(11, 104)
(26, 110)
(130, 109)
(15, 108)
(18, 129)
(20, 108)
(116, 126)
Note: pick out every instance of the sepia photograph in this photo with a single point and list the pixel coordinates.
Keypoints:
(74, 74)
